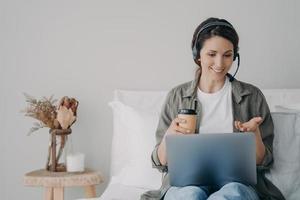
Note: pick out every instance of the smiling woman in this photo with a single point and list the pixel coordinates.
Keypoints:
(215, 59)
(226, 105)
(215, 47)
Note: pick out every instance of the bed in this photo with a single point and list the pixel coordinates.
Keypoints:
(135, 117)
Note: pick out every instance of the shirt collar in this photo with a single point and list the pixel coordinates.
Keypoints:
(192, 88)
(238, 90)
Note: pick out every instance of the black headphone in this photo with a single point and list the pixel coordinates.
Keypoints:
(196, 52)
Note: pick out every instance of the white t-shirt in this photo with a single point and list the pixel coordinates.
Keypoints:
(216, 110)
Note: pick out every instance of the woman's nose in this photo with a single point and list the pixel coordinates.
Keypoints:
(219, 61)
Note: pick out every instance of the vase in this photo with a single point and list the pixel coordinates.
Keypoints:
(58, 140)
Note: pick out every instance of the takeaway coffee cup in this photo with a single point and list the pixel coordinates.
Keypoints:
(190, 116)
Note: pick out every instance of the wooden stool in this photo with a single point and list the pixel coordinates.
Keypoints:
(54, 182)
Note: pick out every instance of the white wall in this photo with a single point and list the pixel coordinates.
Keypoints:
(86, 49)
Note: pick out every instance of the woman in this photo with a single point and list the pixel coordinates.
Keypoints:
(227, 105)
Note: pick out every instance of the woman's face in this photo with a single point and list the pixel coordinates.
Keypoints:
(216, 57)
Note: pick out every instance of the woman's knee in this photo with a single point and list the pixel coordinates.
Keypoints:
(235, 190)
(188, 192)
(234, 186)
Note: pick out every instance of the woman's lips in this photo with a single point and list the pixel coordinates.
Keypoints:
(218, 70)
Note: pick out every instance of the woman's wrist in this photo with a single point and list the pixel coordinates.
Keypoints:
(260, 147)
(161, 152)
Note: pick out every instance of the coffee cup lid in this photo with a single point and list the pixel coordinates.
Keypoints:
(187, 111)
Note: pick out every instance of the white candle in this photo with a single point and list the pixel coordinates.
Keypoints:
(75, 162)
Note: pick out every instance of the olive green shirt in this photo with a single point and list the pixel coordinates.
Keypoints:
(247, 102)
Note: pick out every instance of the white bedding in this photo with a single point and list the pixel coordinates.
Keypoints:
(118, 191)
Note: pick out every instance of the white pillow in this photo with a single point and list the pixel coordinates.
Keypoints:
(285, 172)
(133, 142)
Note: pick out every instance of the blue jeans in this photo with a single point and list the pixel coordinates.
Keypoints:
(230, 191)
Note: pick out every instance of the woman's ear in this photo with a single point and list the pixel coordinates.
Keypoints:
(198, 62)
(199, 57)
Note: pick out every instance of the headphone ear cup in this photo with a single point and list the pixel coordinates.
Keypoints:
(195, 52)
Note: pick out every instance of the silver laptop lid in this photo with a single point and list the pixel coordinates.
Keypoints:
(211, 159)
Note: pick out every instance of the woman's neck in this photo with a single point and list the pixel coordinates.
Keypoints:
(210, 86)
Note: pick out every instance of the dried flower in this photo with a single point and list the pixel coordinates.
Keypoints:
(65, 117)
(48, 114)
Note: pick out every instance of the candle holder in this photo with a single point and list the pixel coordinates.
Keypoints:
(75, 162)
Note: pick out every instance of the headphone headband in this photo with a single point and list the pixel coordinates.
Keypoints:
(217, 23)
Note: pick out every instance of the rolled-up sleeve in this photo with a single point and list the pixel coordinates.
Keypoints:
(165, 120)
(266, 130)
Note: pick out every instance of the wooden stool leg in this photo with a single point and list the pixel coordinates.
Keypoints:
(58, 193)
(90, 191)
(48, 193)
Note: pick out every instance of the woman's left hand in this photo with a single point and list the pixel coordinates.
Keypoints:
(253, 126)
(250, 126)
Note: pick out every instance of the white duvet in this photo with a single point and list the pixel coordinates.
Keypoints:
(119, 191)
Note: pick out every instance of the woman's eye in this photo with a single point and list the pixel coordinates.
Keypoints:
(211, 54)
(228, 55)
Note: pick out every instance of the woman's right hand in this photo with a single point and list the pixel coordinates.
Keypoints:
(174, 129)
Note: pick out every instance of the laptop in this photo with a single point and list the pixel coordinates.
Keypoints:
(211, 159)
